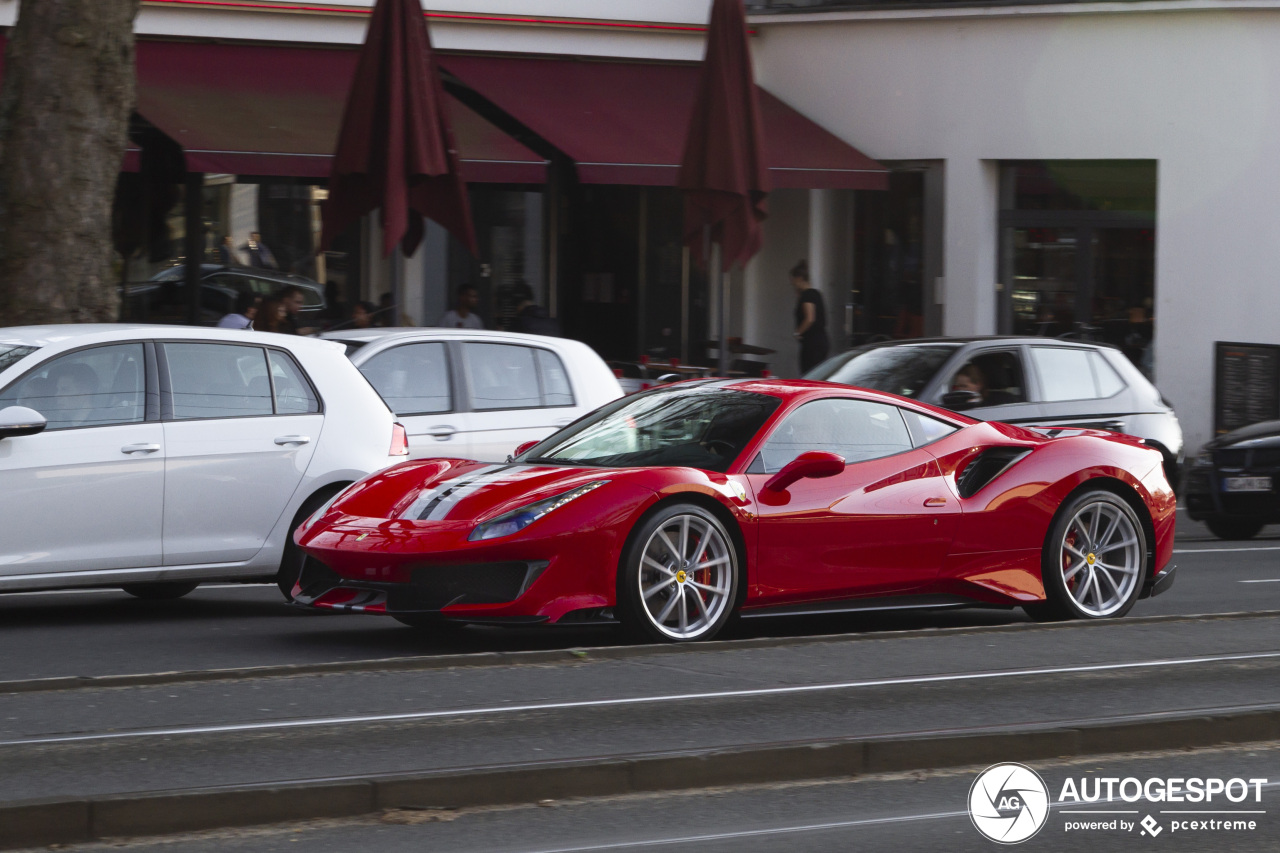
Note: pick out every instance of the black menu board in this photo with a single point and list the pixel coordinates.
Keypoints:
(1246, 385)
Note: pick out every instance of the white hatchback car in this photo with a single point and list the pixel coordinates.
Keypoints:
(479, 394)
(153, 458)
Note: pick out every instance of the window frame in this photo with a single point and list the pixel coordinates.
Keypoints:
(151, 388)
(966, 356)
(166, 383)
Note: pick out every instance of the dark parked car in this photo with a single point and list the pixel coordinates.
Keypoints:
(1231, 484)
(163, 299)
(1027, 381)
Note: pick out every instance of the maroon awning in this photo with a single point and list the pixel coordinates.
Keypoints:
(275, 111)
(626, 122)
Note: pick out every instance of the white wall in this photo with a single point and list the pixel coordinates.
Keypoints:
(1199, 91)
(768, 297)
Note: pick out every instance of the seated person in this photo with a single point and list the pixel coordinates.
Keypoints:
(971, 378)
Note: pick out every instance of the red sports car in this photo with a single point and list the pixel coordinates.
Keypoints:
(673, 510)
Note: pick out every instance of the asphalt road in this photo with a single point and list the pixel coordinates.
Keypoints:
(106, 632)
(912, 813)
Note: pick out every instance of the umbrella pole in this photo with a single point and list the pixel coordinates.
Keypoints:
(721, 283)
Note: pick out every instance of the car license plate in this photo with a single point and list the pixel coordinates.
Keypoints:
(1246, 484)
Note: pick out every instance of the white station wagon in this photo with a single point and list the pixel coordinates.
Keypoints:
(153, 458)
(479, 394)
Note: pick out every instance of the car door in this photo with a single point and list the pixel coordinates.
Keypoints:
(1079, 388)
(416, 382)
(241, 425)
(1001, 372)
(87, 493)
(517, 393)
(883, 525)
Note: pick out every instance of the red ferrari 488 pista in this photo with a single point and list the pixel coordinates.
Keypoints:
(674, 510)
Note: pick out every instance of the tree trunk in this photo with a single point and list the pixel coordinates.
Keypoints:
(68, 89)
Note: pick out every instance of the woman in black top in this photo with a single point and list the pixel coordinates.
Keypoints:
(811, 320)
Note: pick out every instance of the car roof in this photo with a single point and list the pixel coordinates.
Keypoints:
(790, 389)
(995, 339)
(409, 332)
(44, 336)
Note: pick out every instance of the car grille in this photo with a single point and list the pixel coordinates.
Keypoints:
(436, 587)
(1261, 459)
(1230, 458)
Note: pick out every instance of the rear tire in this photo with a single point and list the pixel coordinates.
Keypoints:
(1094, 561)
(162, 591)
(679, 577)
(1233, 528)
(294, 557)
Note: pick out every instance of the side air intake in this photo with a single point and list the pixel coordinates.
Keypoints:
(984, 468)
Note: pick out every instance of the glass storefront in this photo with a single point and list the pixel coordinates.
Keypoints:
(889, 282)
(1077, 254)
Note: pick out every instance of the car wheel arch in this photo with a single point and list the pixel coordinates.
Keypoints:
(716, 508)
(1126, 493)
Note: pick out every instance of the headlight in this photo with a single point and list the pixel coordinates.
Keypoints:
(1205, 457)
(518, 519)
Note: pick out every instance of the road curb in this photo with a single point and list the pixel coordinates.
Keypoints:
(576, 656)
(45, 822)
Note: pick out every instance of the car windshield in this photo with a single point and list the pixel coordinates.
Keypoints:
(903, 370)
(12, 354)
(696, 427)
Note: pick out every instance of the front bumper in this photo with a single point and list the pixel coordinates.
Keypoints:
(1206, 499)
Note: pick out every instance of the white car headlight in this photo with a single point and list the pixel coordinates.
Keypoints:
(518, 519)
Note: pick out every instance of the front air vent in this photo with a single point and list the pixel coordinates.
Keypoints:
(985, 467)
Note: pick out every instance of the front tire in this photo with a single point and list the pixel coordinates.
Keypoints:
(679, 576)
(294, 557)
(1233, 528)
(1094, 560)
(161, 591)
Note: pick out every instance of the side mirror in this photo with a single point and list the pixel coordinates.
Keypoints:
(812, 465)
(19, 420)
(522, 449)
(958, 401)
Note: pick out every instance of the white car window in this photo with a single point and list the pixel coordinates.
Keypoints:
(925, 428)
(855, 430)
(1064, 373)
(218, 381)
(503, 376)
(413, 379)
(93, 387)
(1109, 382)
(556, 390)
(293, 393)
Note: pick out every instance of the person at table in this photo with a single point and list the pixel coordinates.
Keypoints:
(811, 319)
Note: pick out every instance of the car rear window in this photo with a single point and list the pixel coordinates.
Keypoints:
(903, 370)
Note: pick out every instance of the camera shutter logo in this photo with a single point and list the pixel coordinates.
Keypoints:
(1008, 803)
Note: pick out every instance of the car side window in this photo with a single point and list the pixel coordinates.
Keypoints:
(100, 386)
(502, 376)
(1065, 373)
(218, 380)
(856, 430)
(413, 379)
(997, 378)
(556, 390)
(926, 430)
(293, 392)
(1109, 382)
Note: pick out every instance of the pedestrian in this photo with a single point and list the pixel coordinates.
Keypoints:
(293, 299)
(227, 253)
(531, 317)
(362, 315)
(464, 315)
(811, 320)
(246, 310)
(271, 315)
(259, 255)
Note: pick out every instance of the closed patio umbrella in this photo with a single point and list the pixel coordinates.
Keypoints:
(396, 150)
(723, 172)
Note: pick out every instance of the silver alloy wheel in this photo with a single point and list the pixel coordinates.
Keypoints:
(1101, 558)
(686, 576)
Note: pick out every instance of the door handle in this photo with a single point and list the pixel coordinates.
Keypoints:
(442, 432)
(293, 439)
(935, 501)
(140, 448)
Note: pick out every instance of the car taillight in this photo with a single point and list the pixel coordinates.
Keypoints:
(399, 441)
